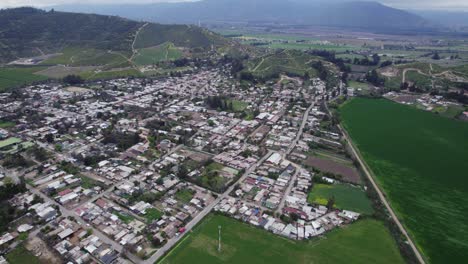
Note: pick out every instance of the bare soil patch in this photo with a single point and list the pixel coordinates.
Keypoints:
(349, 174)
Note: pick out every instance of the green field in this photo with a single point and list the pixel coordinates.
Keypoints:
(420, 160)
(18, 76)
(366, 241)
(163, 52)
(77, 56)
(153, 214)
(184, 195)
(20, 255)
(6, 124)
(347, 197)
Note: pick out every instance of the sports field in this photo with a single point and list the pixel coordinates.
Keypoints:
(347, 197)
(420, 160)
(366, 241)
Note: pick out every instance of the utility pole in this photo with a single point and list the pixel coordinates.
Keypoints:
(219, 238)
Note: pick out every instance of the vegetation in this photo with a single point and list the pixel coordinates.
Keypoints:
(17, 76)
(184, 195)
(21, 255)
(346, 197)
(25, 31)
(290, 62)
(366, 241)
(180, 35)
(153, 214)
(153, 55)
(420, 161)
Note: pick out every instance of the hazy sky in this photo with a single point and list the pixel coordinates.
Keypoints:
(456, 5)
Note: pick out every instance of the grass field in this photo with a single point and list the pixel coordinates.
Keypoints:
(346, 196)
(20, 255)
(366, 241)
(420, 160)
(153, 214)
(6, 124)
(184, 195)
(12, 77)
(163, 52)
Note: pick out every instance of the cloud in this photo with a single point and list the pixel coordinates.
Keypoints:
(428, 4)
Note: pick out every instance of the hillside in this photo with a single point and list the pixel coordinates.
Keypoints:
(366, 15)
(27, 32)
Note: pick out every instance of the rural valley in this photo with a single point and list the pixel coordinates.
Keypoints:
(232, 131)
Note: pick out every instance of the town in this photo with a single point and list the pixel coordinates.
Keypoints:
(117, 171)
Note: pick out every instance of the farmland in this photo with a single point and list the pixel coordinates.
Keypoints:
(366, 241)
(11, 77)
(347, 173)
(347, 197)
(419, 159)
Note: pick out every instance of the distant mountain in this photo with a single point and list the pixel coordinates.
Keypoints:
(339, 13)
(26, 32)
(457, 19)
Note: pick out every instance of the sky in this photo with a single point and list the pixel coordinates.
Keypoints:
(455, 5)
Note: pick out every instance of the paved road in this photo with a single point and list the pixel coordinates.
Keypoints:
(173, 241)
(288, 189)
(382, 197)
(301, 130)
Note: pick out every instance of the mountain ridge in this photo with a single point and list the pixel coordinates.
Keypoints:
(358, 14)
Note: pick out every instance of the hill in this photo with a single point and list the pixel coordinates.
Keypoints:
(27, 32)
(366, 15)
(36, 45)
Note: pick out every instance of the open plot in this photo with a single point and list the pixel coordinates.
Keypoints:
(346, 197)
(419, 159)
(366, 241)
(348, 173)
(21, 255)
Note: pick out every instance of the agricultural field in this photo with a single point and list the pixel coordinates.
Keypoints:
(76, 56)
(366, 241)
(18, 76)
(346, 171)
(163, 52)
(419, 160)
(347, 197)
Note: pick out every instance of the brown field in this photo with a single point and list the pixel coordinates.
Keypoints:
(349, 174)
(62, 71)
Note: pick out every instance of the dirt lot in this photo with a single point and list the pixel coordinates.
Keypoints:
(40, 249)
(349, 174)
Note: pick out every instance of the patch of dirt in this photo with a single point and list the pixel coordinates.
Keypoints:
(349, 174)
(39, 248)
(389, 72)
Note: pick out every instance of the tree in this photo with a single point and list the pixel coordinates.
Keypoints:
(436, 56)
(331, 203)
(73, 79)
